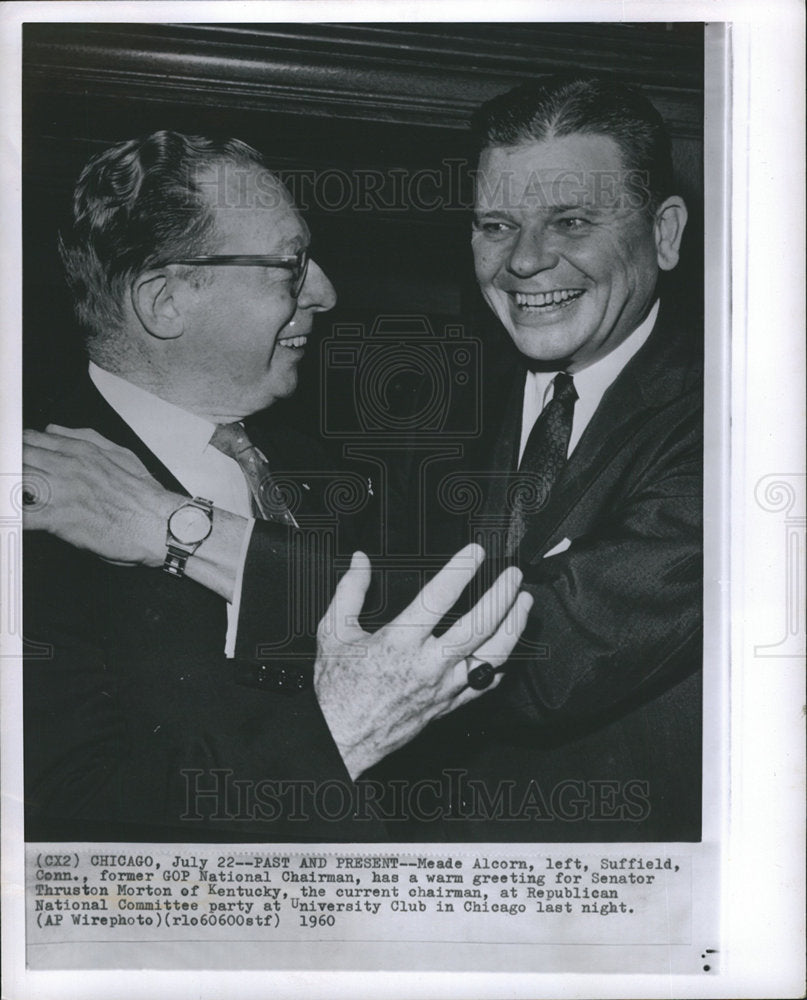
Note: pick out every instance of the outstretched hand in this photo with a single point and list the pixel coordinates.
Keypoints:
(378, 691)
(94, 494)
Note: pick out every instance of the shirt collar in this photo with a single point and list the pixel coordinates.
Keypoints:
(171, 433)
(596, 378)
(591, 384)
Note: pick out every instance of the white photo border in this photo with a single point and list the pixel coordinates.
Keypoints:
(757, 369)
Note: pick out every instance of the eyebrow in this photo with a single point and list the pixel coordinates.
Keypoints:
(591, 209)
(503, 213)
(500, 213)
(294, 244)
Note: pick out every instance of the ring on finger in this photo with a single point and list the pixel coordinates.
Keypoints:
(479, 673)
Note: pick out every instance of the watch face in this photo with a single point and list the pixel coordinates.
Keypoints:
(189, 525)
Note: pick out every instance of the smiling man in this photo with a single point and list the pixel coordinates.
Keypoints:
(151, 710)
(567, 252)
(588, 474)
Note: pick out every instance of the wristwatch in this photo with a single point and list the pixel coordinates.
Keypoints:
(188, 526)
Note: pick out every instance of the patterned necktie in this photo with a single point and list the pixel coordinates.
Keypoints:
(544, 457)
(267, 499)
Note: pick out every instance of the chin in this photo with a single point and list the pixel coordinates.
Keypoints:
(540, 346)
(280, 389)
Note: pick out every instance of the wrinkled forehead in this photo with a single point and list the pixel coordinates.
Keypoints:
(230, 185)
(578, 170)
(253, 205)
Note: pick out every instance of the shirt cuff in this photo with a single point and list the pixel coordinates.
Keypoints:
(234, 607)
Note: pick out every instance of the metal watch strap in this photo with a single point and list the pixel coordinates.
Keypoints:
(177, 553)
(176, 560)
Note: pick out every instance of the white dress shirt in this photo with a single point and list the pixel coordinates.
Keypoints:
(590, 384)
(181, 441)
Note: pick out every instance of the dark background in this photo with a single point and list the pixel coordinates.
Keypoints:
(333, 99)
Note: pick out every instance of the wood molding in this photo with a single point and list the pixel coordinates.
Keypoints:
(405, 74)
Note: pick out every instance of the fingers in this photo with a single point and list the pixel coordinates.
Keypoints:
(73, 441)
(49, 440)
(60, 439)
(39, 439)
(41, 458)
(121, 456)
(485, 616)
(467, 694)
(443, 591)
(83, 434)
(497, 649)
(340, 621)
(36, 494)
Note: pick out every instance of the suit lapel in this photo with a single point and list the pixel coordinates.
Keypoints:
(621, 413)
(86, 407)
(491, 459)
(654, 376)
(498, 454)
(295, 462)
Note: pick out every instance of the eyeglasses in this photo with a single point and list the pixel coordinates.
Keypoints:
(296, 263)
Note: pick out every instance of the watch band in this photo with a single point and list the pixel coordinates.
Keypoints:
(176, 560)
(177, 551)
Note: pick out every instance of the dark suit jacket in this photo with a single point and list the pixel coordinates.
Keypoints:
(134, 708)
(595, 733)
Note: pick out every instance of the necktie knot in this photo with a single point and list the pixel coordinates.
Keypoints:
(266, 499)
(231, 440)
(563, 388)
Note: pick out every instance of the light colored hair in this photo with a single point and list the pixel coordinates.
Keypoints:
(135, 206)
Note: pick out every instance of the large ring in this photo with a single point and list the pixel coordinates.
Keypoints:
(480, 673)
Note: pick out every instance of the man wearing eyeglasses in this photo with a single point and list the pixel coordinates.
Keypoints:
(151, 711)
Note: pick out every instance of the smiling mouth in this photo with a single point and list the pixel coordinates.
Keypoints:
(295, 343)
(545, 301)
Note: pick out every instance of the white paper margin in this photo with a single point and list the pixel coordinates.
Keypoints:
(763, 870)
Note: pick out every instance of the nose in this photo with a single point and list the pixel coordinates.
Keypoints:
(317, 293)
(532, 253)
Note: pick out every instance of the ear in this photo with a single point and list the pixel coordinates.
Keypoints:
(156, 306)
(668, 228)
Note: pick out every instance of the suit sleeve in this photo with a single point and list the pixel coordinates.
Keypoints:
(286, 587)
(134, 730)
(617, 616)
(289, 574)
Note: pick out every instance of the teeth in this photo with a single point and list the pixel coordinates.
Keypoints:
(293, 341)
(547, 298)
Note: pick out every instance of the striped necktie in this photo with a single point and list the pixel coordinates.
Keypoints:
(267, 499)
(544, 457)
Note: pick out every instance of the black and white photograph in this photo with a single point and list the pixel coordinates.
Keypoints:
(376, 393)
(393, 362)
